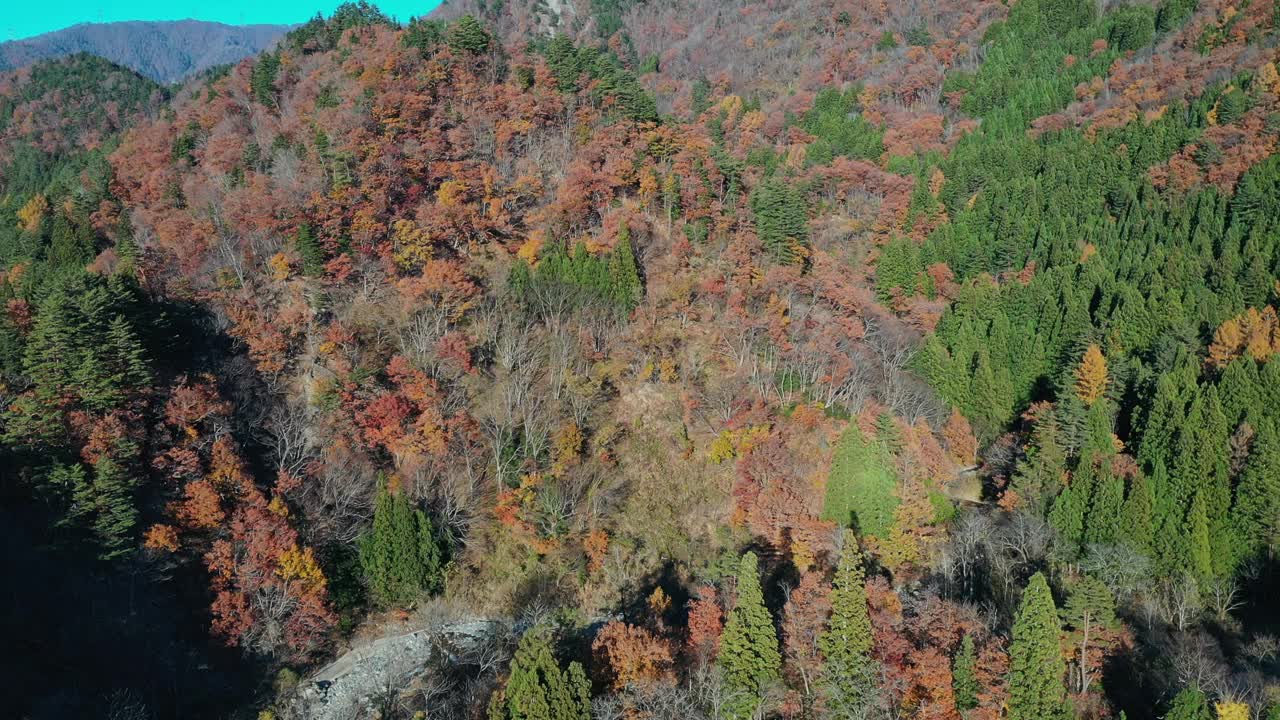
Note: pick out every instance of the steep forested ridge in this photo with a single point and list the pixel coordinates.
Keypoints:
(752, 359)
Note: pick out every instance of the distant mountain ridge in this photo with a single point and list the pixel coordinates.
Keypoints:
(163, 51)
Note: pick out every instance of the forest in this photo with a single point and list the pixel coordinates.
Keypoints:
(651, 359)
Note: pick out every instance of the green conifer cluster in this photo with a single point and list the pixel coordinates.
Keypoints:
(401, 554)
(538, 689)
(781, 220)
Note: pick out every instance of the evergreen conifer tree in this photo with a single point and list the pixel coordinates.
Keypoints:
(311, 251)
(624, 273)
(1200, 560)
(1103, 524)
(1190, 704)
(1257, 508)
(1090, 609)
(781, 220)
(1136, 525)
(964, 678)
(849, 672)
(467, 35)
(1036, 668)
(537, 689)
(749, 660)
(262, 80)
(115, 511)
(400, 554)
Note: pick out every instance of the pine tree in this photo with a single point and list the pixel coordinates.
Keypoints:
(537, 689)
(624, 274)
(49, 361)
(116, 513)
(1071, 505)
(262, 80)
(749, 659)
(520, 280)
(467, 35)
(1200, 560)
(1190, 704)
(125, 356)
(1039, 476)
(964, 678)
(1171, 540)
(1036, 668)
(67, 247)
(849, 671)
(1257, 507)
(1136, 524)
(311, 251)
(992, 395)
(400, 555)
(848, 640)
(781, 220)
(1103, 523)
(671, 196)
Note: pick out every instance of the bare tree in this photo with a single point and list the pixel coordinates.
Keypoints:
(1196, 661)
(1222, 596)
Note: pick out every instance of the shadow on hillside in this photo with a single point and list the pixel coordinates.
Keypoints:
(83, 639)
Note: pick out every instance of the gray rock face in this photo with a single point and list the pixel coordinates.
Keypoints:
(350, 686)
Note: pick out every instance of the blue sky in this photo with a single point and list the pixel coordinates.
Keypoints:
(23, 18)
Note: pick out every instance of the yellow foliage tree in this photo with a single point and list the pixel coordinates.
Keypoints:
(1091, 376)
(410, 244)
(30, 215)
(451, 193)
(1269, 78)
(648, 186)
(568, 446)
(1259, 329)
(300, 565)
(1228, 339)
(280, 268)
(1253, 332)
(1233, 711)
(161, 537)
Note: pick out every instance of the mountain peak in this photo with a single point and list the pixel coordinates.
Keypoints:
(165, 51)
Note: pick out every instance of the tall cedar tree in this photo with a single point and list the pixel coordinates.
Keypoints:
(749, 659)
(537, 689)
(400, 555)
(467, 35)
(1036, 668)
(846, 646)
(780, 220)
(624, 275)
(964, 678)
(1257, 514)
(310, 250)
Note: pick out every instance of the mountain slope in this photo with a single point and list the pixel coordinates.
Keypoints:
(163, 51)
(558, 312)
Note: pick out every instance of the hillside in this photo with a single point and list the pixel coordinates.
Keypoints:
(166, 52)
(678, 359)
(55, 110)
